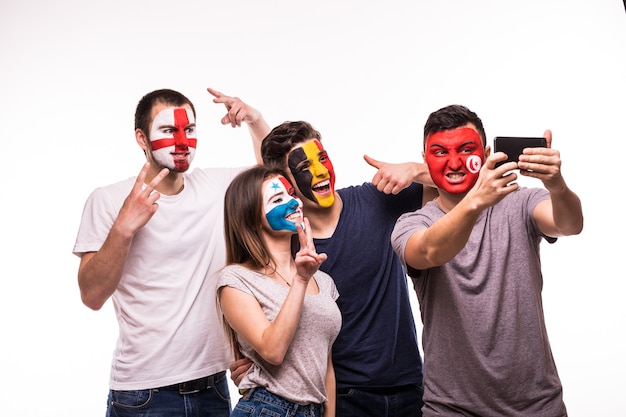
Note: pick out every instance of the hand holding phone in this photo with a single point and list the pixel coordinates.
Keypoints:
(513, 147)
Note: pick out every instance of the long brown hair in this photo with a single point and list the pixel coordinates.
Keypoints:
(243, 208)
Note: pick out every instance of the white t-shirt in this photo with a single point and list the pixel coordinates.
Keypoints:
(169, 329)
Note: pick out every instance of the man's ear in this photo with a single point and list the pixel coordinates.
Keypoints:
(487, 151)
(142, 140)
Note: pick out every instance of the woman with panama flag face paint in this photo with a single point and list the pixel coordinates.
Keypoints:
(454, 158)
(313, 172)
(282, 208)
(279, 310)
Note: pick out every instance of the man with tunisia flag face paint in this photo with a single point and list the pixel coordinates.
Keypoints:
(454, 158)
(475, 250)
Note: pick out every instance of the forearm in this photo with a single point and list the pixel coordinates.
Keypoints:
(567, 212)
(443, 240)
(421, 175)
(277, 337)
(331, 390)
(259, 129)
(100, 272)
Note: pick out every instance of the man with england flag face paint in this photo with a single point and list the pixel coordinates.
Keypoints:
(150, 243)
(173, 138)
(475, 250)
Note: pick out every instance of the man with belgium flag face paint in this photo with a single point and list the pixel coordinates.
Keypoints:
(376, 355)
(313, 172)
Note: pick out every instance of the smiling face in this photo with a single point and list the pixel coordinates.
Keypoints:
(282, 208)
(454, 158)
(173, 138)
(313, 172)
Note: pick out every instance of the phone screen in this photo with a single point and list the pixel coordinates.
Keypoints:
(514, 146)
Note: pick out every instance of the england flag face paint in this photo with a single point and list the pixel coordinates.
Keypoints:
(173, 138)
(282, 208)
(454, 158)
(313, 172)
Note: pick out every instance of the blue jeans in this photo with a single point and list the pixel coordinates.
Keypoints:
(261, 402)
(213, 401)
(406, 402)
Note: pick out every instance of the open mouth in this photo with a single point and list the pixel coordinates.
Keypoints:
(322, 187)
(295, 217)
(455, 177)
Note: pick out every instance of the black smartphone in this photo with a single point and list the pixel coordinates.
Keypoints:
(514, 146)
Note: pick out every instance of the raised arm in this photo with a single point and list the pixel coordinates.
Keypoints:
(99, 272)
(393, 178)
(445, 238)
(562, 214)
(238, 112)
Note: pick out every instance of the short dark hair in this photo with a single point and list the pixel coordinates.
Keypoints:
(452, 117)
(147, 102)
(282, 138)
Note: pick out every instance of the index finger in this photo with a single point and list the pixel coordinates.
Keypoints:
(141, 177)
(156, 180)
(214, 93)
(304, 234)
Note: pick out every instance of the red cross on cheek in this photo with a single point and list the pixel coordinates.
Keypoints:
(179, 137)
(181, 121)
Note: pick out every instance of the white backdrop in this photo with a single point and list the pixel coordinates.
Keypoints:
(366, 74)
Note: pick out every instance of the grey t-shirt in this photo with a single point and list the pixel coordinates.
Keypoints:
(486, 349)
(302, 375)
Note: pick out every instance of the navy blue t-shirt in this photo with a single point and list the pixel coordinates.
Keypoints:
(377, 345)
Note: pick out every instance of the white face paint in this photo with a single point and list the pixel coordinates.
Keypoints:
(173, 138)
(473, 163)
(282, 208)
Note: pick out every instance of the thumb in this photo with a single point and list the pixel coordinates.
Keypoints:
(373, 162)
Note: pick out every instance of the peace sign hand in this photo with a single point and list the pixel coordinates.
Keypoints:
(307, 259)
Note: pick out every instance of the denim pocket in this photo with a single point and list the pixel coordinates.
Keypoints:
(131, 400)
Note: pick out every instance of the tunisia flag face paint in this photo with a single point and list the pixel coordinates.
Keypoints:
(282, 208)
(173, 138)
(454, 158)
(313, 172)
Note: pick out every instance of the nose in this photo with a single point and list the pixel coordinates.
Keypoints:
(180, 140)
(455, 162)
(318, 170)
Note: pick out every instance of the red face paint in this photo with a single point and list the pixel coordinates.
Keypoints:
(173, 138)
(454, 158)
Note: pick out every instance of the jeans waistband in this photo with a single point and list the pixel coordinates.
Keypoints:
(262, 394)
(379, 390)
(195, 385)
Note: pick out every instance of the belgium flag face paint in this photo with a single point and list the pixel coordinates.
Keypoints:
(313, 172)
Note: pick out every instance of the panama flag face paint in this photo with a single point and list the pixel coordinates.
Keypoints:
(313, 172)
(173, 138)
(454, 158)
(282, 208)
